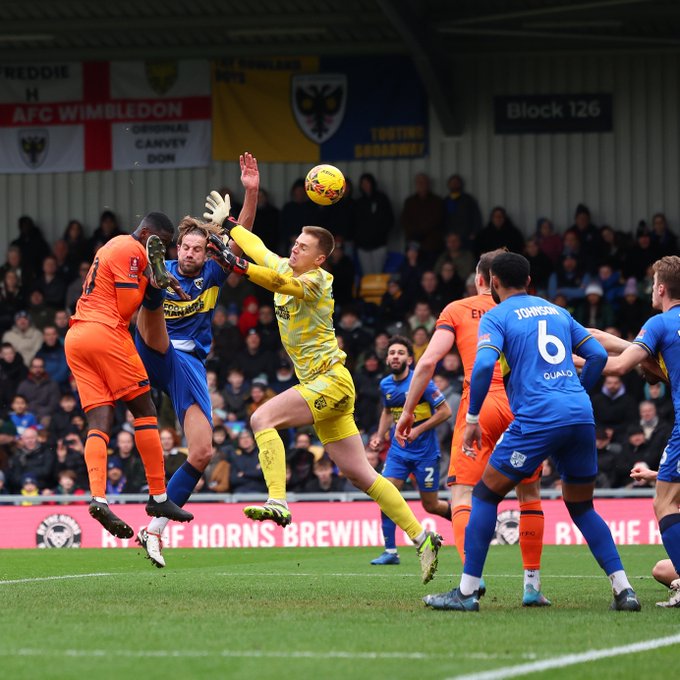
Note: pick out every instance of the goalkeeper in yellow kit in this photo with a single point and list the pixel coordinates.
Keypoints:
(324, 398)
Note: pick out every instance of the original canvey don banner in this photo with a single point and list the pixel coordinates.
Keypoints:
(73, 116)
(310, 109)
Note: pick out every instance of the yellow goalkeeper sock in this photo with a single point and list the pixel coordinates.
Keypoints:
(392, 503)
(273, 461)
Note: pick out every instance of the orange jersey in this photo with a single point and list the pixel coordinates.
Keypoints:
(462, 317)
(115, 285)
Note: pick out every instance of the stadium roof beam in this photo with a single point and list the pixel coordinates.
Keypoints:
(570, 7)
(430, 59)
(41, 53)
(132, 24)
(651, 41)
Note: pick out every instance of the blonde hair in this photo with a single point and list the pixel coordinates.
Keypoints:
(667, 271)
(192, 225)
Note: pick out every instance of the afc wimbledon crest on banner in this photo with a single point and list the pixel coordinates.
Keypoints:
(33, 144)
(318, 102)
(161, 75)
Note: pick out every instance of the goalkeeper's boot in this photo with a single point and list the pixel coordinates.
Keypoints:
(167, 509)
(674, 599)
(454, 600)
(155, 253)
(387, 558)
(271, 510)
(534, 598)
(428, 552)
(153, 545)
(626, 601)
(113, 524)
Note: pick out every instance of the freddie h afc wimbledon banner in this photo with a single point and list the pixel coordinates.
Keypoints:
(309, 109)
(73, 116)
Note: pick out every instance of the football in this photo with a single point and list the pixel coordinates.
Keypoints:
(325, 184)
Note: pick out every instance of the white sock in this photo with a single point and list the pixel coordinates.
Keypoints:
(619, 581)
(392, 551)
(100, 499)
(157, 525)
(160, 497)
(532, 577)
(420, 538)
(468, 584)
(278, 501)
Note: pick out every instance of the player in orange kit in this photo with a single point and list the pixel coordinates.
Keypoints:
(106, 366)
(458, 323)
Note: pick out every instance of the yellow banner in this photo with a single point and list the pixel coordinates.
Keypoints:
(252, 109)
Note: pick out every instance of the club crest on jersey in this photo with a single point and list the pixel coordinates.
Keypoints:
(517, 459)
(33, 145)
(318, 102)
(133, 272)
(199, 283)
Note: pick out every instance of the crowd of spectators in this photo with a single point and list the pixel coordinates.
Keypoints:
(600, 274)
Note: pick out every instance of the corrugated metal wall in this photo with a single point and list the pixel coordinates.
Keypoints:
(623, 176)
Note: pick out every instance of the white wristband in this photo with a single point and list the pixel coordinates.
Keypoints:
(470, 419)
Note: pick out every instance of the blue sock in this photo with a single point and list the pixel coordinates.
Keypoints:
(389, 529)
(478, 535)
(153, 297)
(669, 526)
(182, 483)
(480, 528)
(597, 535)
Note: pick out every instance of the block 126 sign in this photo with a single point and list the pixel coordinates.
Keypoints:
(553, 113)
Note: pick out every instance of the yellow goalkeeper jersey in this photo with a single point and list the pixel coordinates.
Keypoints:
(306, 325)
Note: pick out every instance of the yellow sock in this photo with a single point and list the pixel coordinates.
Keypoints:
(392, 503)
(273, 461)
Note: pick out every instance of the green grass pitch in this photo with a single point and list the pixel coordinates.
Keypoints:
(314, 613)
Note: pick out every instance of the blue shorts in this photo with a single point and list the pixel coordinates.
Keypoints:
(426, 470)
(572, 447)
(669, 467)
(180, 375)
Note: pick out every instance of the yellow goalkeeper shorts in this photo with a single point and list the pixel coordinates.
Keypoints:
(330, 397)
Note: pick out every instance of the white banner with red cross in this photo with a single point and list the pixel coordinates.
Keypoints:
(74, 117)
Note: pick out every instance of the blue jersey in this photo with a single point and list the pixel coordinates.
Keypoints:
(394, 397)
(189, 322)
(535, 340)
(660, 336)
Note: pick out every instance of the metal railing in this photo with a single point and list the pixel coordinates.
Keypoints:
(344, 497)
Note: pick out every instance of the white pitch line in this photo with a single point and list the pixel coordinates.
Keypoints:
(52, 578)
(251, 654)
(320, 574)
(569, 660)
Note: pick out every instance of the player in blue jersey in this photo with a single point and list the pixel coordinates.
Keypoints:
(534, 341)
(420, 454)
(174, 337)
(660, 338)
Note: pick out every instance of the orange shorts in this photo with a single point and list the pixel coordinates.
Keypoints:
(105, 364)
(494, 419)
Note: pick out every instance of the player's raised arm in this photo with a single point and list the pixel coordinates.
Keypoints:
(440, 344)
